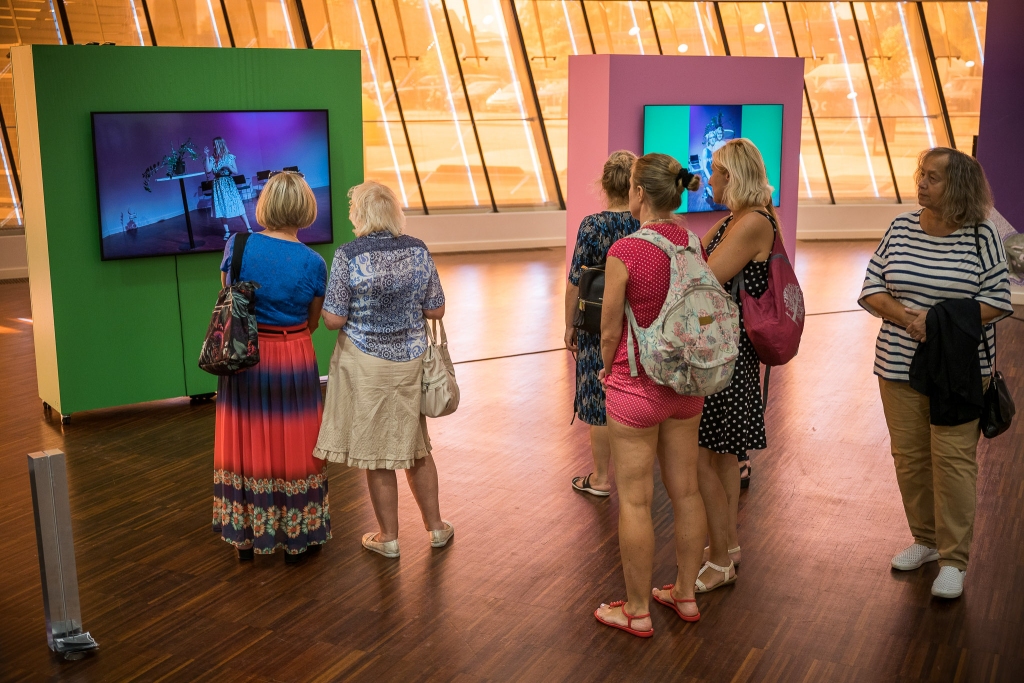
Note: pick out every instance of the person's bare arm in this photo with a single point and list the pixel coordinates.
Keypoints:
(612, 309)
(315, 308)
(989, 313)
(749, 238)
(572, 293)
(434, 313)
(334, 322)
(223, 279)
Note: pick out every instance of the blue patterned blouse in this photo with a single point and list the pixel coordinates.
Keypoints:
(383, 283)
(597, 233)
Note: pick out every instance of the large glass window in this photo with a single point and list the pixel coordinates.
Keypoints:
(621, 27)
(189, 23)
(756, 29)
(957, 30)
(905, 90)
(352, 25)
(503, 105)
(107, 21)
(436, 113)
(688, 28)
(840, 95)
(552, 31)
(264, 23)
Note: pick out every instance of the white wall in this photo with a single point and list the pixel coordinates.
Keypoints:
(847, 221)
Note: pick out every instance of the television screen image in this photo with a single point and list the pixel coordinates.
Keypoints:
(692, 133)
(181, 182)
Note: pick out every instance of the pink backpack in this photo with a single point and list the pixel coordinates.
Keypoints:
(775, 321)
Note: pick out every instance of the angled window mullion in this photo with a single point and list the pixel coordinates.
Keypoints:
(536, 100)
(721, 29)
(303, 24)
(654, 25)
(810, 111)
(465, 94)
(62, 10)
(874, 101)
(586, 22)
(935, 76)
(227, 23)
(149, 22)
(398, 104)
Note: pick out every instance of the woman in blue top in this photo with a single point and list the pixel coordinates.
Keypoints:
(597, 233)
(383, 285)
(269, 491)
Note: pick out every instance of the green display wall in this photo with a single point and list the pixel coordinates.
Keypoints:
(118, 332)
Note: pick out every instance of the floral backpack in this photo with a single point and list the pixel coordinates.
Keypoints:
(693, 344)
(231, 344)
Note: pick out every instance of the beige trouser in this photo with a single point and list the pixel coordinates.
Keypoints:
(937, 472)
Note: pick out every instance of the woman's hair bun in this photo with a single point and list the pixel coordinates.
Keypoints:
(689, 181)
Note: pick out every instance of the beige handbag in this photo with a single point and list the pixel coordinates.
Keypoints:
(440, 392)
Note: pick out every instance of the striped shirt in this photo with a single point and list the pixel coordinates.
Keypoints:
(920, 270)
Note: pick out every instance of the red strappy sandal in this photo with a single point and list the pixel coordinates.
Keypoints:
(675, 603)
(628, 628)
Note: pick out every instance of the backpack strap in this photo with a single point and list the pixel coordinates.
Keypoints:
(237, 251)
(629, 341)
(738, 283)
(984, 332)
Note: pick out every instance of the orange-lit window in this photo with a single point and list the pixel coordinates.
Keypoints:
(265, 23)
(756, 29)
(957, 31)
(107, 21)
(552, 31)
(352, 25)
(688, 28)
(621, 27)
(195, 23)
(837, 83)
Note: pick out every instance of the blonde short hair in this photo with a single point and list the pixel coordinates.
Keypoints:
(748, 182)
(373, 207)
(286, 202)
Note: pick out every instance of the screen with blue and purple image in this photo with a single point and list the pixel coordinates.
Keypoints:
(693, 133)
(180, 182)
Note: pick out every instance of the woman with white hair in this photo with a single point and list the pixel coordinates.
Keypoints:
(383, 286)
(733, 419)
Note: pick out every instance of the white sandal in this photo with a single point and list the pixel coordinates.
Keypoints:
(731, 551)
(728, 574)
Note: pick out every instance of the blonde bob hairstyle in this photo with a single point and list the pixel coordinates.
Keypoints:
(748, 182)
(374, 207)
(286, 203)
(663, 180)
(967, 199)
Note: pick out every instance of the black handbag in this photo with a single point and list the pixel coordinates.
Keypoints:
(232, 342)
(588, 305)
(998, 411)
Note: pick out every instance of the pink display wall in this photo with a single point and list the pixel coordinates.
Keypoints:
(607, 94)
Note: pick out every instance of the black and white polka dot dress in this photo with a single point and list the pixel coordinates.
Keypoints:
(733, 419)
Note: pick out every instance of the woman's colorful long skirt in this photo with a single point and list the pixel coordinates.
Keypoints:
(268, 489)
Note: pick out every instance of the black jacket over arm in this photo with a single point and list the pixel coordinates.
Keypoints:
(946, 367)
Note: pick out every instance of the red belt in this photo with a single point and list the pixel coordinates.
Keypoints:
(282, 332)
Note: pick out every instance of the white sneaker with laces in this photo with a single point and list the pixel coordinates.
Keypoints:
(913, 556)
(949, 583)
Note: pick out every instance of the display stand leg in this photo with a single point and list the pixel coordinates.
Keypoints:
(192, 243)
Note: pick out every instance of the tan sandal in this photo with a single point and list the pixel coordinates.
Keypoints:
(731, 551)
(728, 574)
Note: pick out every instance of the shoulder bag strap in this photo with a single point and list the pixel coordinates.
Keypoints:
(236, 256)
(984, 333)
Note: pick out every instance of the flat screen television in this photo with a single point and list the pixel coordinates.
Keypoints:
(691, 133)
(169, 182)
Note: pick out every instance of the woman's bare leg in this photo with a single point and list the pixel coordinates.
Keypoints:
(246, 220)
(633, 452)
(383, 485)
(716, 506)
(728, 468)
(602, 453)
(678, 454)
(422, 478)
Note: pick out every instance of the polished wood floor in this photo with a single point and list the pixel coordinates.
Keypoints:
(511, 598)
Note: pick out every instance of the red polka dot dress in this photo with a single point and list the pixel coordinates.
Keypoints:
(637, 401)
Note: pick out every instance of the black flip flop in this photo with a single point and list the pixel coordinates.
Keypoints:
(585, 487)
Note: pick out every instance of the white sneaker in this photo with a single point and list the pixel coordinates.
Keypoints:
(914, 556)
(949, 583)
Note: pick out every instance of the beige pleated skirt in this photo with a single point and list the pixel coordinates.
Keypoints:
(372, 414)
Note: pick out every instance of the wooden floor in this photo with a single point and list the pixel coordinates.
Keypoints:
(511, 598)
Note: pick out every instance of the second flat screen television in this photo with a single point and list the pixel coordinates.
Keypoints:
(181, 182)
(692, 133)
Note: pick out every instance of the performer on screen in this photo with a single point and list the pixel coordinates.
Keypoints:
(227, 203)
